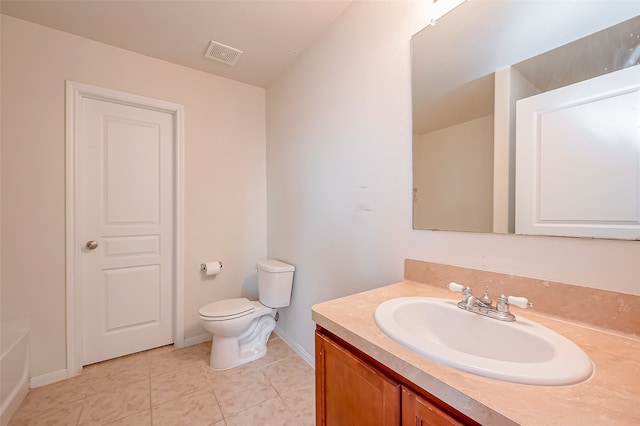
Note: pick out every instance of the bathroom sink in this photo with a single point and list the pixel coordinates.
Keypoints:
(521, 351)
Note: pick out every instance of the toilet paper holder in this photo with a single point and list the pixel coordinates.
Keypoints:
(203, 266)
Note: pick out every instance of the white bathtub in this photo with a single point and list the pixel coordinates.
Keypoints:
(14, 367)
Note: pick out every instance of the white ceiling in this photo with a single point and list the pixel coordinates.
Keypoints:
(271, 33)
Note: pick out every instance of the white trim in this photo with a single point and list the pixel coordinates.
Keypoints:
(74, 93)
(178, 299)
(306, 356)
(47, 379)
(195, 340)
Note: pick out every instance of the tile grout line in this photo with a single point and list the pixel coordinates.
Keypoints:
(131, 369)
(150, 396)
(215, 395)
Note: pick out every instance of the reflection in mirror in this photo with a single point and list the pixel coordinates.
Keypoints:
(468, 72)
(574, 145)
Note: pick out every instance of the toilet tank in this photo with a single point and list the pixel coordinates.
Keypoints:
(275, 280)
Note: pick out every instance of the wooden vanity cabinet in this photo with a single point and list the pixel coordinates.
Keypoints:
(418, 411)
(349, 391)
(352, 389)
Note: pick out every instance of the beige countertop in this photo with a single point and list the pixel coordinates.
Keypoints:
(609, 397)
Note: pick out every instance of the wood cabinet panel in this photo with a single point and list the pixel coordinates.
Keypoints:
(417, 411)
(350, 392)
(353, 389)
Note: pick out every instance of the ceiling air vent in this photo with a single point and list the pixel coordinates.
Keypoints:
(223, 53)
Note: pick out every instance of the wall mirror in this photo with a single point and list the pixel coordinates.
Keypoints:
(464, 101)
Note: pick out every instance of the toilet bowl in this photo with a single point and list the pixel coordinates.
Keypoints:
(241, 327)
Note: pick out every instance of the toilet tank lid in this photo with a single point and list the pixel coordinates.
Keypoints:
(272, 265)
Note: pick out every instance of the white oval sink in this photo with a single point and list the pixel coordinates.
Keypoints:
(520, 351)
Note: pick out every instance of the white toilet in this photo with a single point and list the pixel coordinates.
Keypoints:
(241, 327)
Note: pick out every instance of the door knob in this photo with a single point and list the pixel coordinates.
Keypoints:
(91, 244)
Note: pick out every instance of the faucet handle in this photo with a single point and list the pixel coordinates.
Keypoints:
(467, 297)
(456, 287)
(521, 302)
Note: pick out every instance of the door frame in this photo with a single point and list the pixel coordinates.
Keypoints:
(75, 92)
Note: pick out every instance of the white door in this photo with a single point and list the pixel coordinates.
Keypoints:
(578, 159)
(127, 217)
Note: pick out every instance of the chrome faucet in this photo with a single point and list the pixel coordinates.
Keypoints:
(483, 305)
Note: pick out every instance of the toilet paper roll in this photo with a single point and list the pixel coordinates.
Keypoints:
(211, 268)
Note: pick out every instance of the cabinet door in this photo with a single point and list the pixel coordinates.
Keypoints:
(350, 392)
(417, 411)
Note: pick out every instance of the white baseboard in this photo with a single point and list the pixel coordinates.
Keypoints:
(190, 341)
(56, 376)
(47, 379)
(306, 356)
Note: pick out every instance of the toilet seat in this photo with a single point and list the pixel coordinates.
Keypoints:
(227, 309)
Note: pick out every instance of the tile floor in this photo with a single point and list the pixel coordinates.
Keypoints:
(168, 386)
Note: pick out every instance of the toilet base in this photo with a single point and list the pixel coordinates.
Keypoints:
(233, 351)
